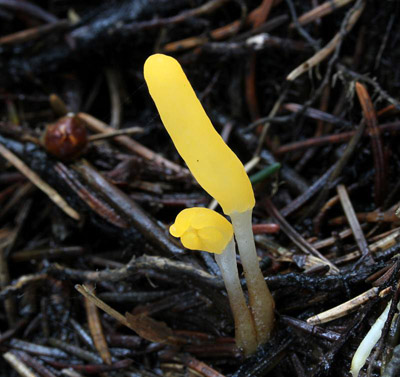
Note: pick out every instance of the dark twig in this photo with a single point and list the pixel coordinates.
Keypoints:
(376, 142)
(144, 264)
(28, 8)
(357, 76)
(303, 32)
(127, 207)
(354, 224)
(295, 236)
(34, 33)
(350, 149)
(311, 191)
(329, 139)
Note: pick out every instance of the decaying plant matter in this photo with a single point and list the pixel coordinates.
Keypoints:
(304, 92)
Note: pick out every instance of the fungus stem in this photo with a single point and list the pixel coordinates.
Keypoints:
(369, 342)
(260, 298)
(245, 332)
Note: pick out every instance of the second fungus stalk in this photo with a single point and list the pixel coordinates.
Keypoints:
(216, 168)
(204, 229)
(260, 298)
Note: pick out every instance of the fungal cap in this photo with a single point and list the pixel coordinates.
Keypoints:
(202, 229)
(216, 168)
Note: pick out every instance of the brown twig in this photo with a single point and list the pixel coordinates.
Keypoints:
(102, 208)
(96, 329)
(39, 182)
(354, 224)
(219, 33)
(330, 139)
(127, 208)
(22, 369)
(257, 18)
(348, 23)
(144, 264)
(376, 142)
(308, 194)
(199, 366)
(29, 8)
(370, 217)
(112, 79)
(110, 135)
(321, 11)
(206, 8)
(34, 33)
(98, 126)
(372, 82)
(296, 237)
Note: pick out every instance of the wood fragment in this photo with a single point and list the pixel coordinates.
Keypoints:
(92, 369)
(125, 131)
(39, 182)
(34, 363)
(75, 350)
(296, 237)
(148, 328)
(322, 54)
(256, 18)
(89, 295)
(132, 212)
(58, 105)
(320, 11)
(144, 263)
(19, 194)
(381, 245)
(202, 368)
(219, 33)
(20, 284)
(371, 217)
(354, 224)
(96, 329)
(347, 307)
(30, 9)
(34, 33)
(93, 201)
(328, 139)
(21, 368)
(9, 303)
(376, 142)
(98, 126)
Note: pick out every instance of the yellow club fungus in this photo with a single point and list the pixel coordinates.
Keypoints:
(216, 168)
(194, 136)
(206, 230)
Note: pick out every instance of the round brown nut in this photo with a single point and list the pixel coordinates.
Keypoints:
(67, 138)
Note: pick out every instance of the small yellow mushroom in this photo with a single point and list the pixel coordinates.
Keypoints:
(216, 168)
(202, 229)
(205, 229)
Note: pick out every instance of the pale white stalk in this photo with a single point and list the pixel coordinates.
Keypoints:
(260, 298)
(245, 333)
(368, 343)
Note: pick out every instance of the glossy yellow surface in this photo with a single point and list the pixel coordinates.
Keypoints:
(202, 229)
(211, 161)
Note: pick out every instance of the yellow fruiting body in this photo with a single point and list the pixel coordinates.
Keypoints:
(222, 175)
(205, 229)
(202, 229)
(216, 168)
